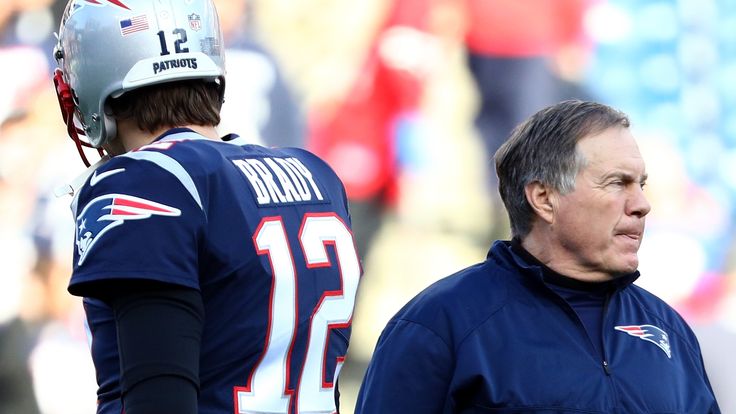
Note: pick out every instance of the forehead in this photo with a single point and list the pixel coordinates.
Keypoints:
(612, 148)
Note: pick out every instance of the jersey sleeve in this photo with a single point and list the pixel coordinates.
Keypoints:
(137, 220)
(410, 372)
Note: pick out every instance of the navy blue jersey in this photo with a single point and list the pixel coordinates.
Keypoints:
(264, 236)
(495, 338)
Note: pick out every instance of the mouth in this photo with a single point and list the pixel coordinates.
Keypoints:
(632, 239)
(634, 236)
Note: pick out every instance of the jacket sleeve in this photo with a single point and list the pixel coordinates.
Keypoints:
(410, 372)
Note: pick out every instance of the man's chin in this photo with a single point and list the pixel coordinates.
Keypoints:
(627, 267)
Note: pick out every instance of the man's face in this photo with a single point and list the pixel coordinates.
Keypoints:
(599, 225)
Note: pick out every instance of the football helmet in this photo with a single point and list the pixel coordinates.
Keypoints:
(108, 47)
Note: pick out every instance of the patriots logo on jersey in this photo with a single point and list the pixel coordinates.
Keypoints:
(649, 333)
(109, 211)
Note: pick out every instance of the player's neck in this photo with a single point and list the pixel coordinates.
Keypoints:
(130, 137)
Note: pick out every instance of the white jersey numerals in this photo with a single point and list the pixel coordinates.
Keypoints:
(267, 389)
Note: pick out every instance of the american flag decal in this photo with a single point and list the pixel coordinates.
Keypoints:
(133, 25)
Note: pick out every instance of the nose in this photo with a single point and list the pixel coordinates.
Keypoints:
(638, 205)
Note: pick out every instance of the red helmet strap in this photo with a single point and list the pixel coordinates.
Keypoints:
(66, 104)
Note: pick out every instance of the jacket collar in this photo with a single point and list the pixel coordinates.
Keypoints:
(511, 254)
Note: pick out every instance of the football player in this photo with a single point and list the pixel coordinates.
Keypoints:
(217, 276)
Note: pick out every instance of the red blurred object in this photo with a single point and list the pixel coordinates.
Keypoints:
(357, 137)
(522, 28)
(703, 304)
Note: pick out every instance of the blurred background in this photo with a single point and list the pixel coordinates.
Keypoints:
(407, 100)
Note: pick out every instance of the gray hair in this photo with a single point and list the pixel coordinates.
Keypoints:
(544, 149)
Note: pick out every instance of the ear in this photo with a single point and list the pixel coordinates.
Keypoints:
(541, 198)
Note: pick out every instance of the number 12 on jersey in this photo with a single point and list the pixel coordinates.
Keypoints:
(267, 388)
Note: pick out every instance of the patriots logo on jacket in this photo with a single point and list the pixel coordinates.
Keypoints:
(109, 211)
(649, 333)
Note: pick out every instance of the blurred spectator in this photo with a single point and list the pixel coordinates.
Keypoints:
(6, 14)
(31, 23)
(523, 55)
(25, 69)
(258, 99)
(63, 385)
(16, 387)
(357, 135)
(46, 364)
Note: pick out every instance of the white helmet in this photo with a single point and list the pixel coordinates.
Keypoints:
(109, 47)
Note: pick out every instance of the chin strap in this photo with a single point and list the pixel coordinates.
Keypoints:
(66, 104)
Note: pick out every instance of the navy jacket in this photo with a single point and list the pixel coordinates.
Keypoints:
(495, 338)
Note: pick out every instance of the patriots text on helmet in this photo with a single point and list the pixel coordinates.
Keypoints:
(190, 63)
(279, 180)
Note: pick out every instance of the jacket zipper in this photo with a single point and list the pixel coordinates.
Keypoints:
(604, 313)
(606, 366)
